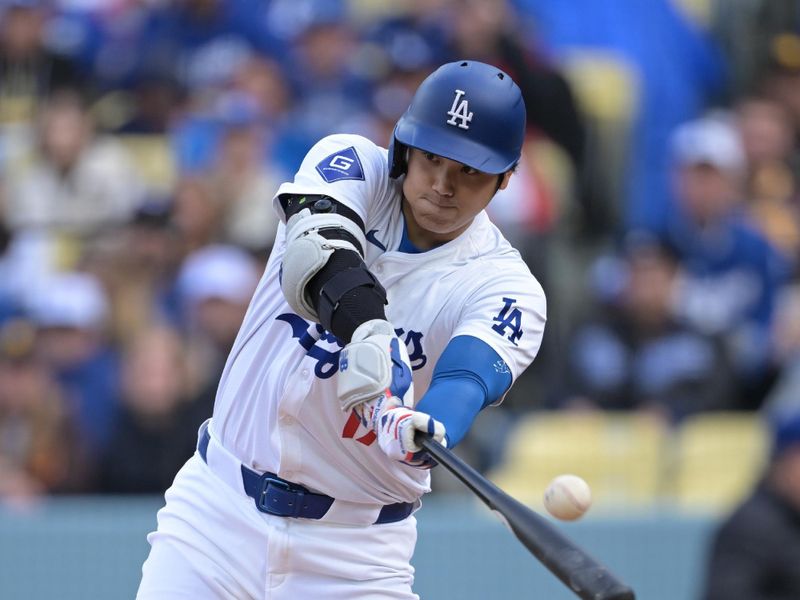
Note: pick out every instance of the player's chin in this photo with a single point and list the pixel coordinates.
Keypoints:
(440, 226)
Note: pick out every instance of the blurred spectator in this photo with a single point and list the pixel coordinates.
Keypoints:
(77, 183)
(413, 39)
(114, 29)
(39, 451)
(242, 180)
(255, 95)
(216, 284)
(745, 30)
(398, 53)
(138, 96)
(331, 94)
(155, 103)
(200, 42)
(773, 171)
(154, 434)
(30, 71)
(70, 315)
(197, 212)
(786, 350)
(731, 273)
(756, 550)
(781, 78)
(137, 265)
(262, 80)
(637, 355)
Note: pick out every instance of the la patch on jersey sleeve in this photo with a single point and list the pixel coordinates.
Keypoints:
(508, 321)
(341, 165)
(509, 314)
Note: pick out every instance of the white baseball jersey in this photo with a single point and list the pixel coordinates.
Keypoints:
(277, 408)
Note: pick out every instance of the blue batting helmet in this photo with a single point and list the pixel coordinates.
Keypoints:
(466, 111)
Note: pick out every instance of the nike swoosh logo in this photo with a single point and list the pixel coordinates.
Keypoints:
(373, 240)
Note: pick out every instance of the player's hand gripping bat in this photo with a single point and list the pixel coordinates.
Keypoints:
(580, 572)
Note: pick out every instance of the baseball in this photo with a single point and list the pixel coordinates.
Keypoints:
(567, 497)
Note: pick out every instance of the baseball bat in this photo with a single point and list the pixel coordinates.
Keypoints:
(581, 573)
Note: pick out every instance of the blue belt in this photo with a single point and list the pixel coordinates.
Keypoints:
(276, 496)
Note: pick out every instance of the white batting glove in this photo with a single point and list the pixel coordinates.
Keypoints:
(397, 426)
(374, 365)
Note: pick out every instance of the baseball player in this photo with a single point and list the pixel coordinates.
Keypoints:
(390, 305)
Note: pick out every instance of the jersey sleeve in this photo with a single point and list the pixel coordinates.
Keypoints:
(348, 168)
(507, 312)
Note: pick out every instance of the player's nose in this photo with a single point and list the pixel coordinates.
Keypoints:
(443, 181)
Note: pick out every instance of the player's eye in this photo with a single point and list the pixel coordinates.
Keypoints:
(431, 156)
(469, 170)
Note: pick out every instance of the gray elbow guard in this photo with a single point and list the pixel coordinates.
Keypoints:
(307, 252)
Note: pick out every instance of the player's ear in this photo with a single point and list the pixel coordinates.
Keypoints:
(503, 183)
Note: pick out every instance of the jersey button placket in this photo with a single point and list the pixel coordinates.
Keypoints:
(291, 450)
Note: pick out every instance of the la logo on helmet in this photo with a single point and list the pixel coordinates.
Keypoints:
(460, 110)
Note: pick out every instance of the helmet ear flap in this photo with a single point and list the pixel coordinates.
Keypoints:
(397, 155)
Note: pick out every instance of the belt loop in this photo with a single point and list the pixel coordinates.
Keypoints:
(298, 503)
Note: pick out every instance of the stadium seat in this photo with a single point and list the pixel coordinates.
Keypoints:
(620, 455)
(718, 457)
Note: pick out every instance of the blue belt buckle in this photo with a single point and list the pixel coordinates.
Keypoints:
(294, 504)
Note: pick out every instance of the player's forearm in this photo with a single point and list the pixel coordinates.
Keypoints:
(467, 378)
(454, 402)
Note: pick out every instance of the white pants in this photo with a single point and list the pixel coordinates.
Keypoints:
(212, 543)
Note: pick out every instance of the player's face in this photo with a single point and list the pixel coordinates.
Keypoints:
(441, 197)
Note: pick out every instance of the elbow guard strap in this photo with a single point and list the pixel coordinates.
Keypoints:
(347, 295)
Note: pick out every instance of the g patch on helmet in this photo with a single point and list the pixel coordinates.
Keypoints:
(341, 165)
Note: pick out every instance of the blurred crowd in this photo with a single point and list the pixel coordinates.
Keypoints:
(658, 201)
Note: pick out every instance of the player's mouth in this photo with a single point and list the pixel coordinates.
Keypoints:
(439, 203)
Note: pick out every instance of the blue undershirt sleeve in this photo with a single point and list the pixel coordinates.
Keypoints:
(465, 380)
